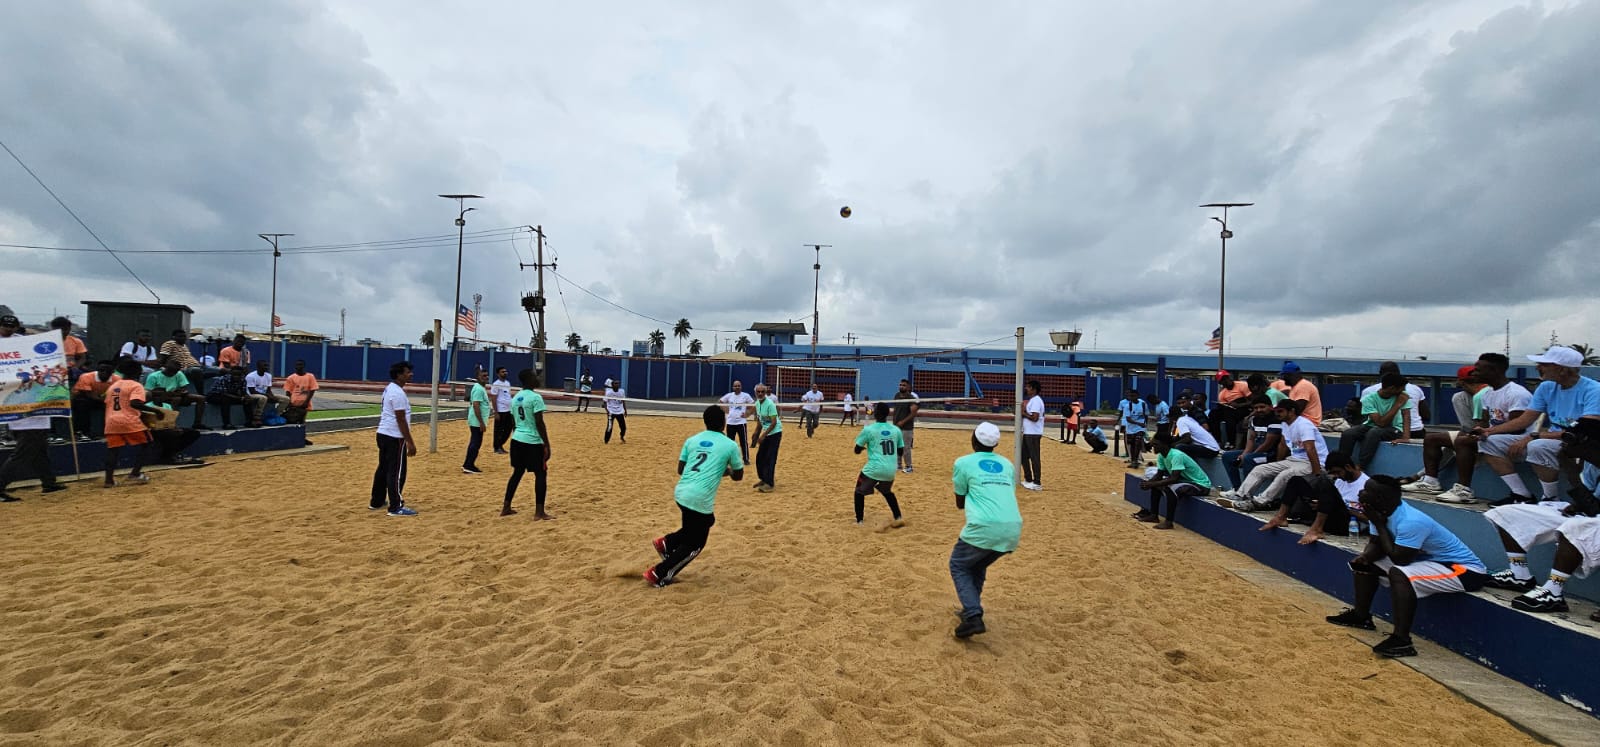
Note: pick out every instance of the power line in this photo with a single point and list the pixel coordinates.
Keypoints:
(484, 237)
(75, 217)
(620, 307)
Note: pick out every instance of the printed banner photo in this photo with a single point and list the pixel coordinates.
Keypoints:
(33, 377)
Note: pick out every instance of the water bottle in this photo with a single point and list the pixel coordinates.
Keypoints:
(1355, 527)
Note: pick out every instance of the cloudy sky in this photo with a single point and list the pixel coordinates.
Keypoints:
(1423, 171)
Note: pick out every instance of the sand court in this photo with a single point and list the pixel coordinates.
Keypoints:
(260, 602)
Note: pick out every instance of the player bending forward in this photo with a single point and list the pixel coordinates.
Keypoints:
(882, 441)
(705, 458)
(986, 488)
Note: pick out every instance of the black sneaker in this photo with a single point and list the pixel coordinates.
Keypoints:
(58, 487)
(970, 627)
(1395, 647)
(1510, 500)
(472, 470)
(1540, 600)
(8, 498)
(1352, 619)
(1505, 580)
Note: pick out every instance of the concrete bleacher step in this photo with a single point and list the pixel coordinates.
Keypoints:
(1550, 653)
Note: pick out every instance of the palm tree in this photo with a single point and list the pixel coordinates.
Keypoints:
(1590, 358)
(426, 339)
(694, 346)
(743, 344)
(606, 351)
(658, 340)
(574, 342)
(681, 331)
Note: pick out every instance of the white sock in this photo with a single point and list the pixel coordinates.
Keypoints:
(1514, 482)
(1557, 583)
(1519, 566)
(1552, 490)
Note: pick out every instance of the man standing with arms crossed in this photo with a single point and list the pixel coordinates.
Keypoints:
(905, 418)
(1032, 434)
(769, 436)
(394, 443)
(477, 416)
(736, 400)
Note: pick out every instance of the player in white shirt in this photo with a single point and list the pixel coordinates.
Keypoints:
(394, 444)
(738, 429)
(1334, 502)
(1032, 434)
(1307, 452)
(259, 382)
(811, 411)
(849, 409)
(141, 350)
(500, 392)
(1192, 437)
(616, 410)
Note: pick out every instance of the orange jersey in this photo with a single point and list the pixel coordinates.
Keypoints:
(90, 383)
(121, 417)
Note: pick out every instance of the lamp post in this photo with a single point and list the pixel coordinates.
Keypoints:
(1222, 283)
(272, 324)
(455, 329)
(816, 289)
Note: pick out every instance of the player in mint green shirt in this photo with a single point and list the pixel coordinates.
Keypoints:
(477, 414)
(769, 436)
(705, 458)
(986, 488)
(883, 442)
(530, 444)
(1178, 476)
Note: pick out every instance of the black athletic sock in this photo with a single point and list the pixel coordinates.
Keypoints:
(861, 507)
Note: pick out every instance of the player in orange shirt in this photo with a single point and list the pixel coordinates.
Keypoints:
(89, 395)
(77, 352)
(125, 399)
(301, 387)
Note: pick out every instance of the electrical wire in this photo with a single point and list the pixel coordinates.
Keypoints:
(75, 217)
(421, 242)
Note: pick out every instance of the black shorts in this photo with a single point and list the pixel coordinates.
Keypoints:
(865, 485)
(527, 456)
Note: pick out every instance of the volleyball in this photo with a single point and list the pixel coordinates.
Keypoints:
(844, 212)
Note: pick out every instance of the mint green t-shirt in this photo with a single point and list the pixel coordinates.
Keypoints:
(767, 415)
(1372, 404)
(883, 443)
(1180, 465)
(989, 482)
(158, 379)
(1478, 413)
(524, 407)
(705, 456)
(1276, 396)
(479, 397)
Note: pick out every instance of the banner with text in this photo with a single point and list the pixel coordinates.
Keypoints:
(33, 377)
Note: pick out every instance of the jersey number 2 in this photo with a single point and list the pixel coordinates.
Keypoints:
(699, 460)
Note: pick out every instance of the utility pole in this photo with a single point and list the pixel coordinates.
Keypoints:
(341, 327)
(816, 291)
(455, 311)
(1508, 338)
(850, 338)
(272, 324)
(1325, 349)
(1222, 281)
(477, 317)
(538, 303)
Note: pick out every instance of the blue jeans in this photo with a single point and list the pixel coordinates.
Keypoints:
(969, 565)
(1236, 471)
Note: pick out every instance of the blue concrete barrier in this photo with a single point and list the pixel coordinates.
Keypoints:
(1532, 649)
(92, 454)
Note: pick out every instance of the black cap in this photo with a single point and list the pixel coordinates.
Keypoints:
(9, 321)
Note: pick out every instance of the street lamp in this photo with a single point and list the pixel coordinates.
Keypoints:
(455, 329)
(272, 324)
(816, 289)
(1222, 283)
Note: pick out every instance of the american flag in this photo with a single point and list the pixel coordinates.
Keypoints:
(1215, 343)
(277, 321)
(466, 319)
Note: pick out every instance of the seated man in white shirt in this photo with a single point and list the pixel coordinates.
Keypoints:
(259, 382)
(1192, 437)
(1572, 526)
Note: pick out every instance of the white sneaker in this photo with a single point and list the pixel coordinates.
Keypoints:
(1031, 486)
(1425, 484)
(1458, 493)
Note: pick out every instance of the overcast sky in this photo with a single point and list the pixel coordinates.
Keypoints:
(1423, 171)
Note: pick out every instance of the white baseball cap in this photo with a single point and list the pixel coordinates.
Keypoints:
(987, 433)
(1560, 356)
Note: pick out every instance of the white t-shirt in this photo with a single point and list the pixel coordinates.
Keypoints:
(614, 403)
(735, 409)
(394, 402)
(1197, 433)
(1417, 396)
(259, 383)
(848, 400)
(139, 353)
(500, 389)
(1498, 404)
(1298, 433)
(1351, 491)
(208, 360)
(1034, 427)
(811, 396)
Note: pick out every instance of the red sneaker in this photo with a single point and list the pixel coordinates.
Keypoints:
(650, 578)
(660, 543)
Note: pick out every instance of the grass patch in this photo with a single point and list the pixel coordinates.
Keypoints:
(364, 411)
